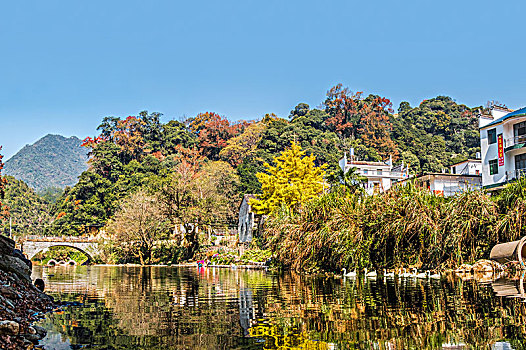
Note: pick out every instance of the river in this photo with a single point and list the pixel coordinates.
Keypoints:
(124, 307)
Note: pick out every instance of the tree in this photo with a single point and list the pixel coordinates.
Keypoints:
(195, 198)
(352, 116)
(343, 107)
(438, 132)
(221, 184)
(351, 180)
(243, 145)
(213, 132)
(175, 134)
(137, 225)
(375, 126)
(3, 209)
(28, 212)
(292, 181)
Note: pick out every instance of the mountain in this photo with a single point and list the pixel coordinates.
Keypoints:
(53, 161)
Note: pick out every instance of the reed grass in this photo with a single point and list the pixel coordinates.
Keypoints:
(406, 226)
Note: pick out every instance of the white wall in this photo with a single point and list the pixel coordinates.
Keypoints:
(490, 152)
(467, 168)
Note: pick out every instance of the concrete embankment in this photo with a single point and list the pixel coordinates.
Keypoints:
(21, 303)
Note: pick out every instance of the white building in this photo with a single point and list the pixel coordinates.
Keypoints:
(380, 175)
(502, 146)
(247, 220)
(446, 185)
(467, 167)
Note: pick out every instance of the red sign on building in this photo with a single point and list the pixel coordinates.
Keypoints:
(500, 143)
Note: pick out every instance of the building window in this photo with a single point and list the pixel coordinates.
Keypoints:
(492, 136)
(365, 171)
(493, 167)
(379, 171)
(520, 162)
(519, 131)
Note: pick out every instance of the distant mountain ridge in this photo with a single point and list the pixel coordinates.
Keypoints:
(52, 161)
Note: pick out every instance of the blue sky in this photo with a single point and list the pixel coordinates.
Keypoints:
(64, 65)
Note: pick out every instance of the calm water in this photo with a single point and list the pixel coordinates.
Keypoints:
(190, 308)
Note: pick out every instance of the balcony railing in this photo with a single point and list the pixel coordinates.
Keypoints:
(384, 173)
(512, 141)
(515, 174)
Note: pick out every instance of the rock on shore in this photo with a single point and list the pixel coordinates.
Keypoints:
(21, 303)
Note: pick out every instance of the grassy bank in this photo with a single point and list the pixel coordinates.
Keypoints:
(407, 226)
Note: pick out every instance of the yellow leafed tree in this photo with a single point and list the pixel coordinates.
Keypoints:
(292, 181)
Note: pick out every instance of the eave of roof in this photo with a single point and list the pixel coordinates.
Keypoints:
(360, 162)
(466, 161)
(518, 113)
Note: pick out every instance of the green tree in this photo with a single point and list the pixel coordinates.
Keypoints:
(3, 208)
(28, 212)
(438, 132)
(292, 181)
(351, 180)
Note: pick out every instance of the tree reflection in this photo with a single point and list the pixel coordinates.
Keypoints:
(190, 308)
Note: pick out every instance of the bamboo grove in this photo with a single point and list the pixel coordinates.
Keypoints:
(407, 226)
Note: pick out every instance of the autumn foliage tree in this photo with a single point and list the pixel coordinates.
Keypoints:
(375, 126)
(213, 132)
(136, 227)
(244, 145)
(292, 181)
(367, 119)
(195, 196)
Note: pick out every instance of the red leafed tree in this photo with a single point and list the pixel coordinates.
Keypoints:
(128, 136)
(375, 126)
(343, 107)
(189, 160)
(351, 115)
(213, 132)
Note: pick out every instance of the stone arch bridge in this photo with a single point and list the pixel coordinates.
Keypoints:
(31, 245)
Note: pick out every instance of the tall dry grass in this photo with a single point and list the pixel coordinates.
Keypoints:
(405, 226)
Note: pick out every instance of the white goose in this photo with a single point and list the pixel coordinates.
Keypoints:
(388, 274)
(348, 274)
(422, 274)
(405, 274)
(409, 274)
(435, 276)
(371, 274)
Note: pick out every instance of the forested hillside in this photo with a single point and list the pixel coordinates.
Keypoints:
(435, 134)
(197, 170)
(29, 213)
(54, 161)
(141, 152)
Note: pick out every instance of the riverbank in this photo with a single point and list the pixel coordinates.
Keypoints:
(21, 303)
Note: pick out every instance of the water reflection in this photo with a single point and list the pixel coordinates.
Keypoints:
(189, 308)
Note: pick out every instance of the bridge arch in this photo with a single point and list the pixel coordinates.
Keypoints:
(32, 247)
(90, 258)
